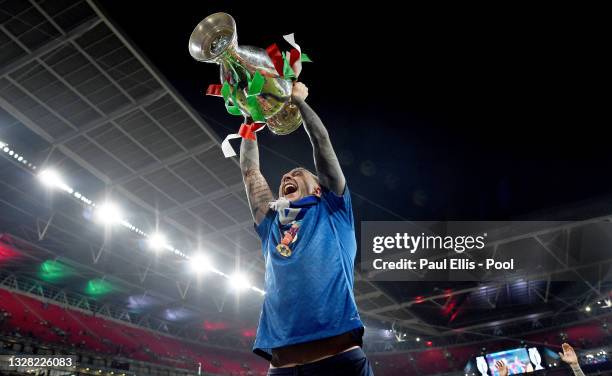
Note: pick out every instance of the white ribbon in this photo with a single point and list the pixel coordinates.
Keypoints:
(297, 66)
(228, 150)
(226, 147)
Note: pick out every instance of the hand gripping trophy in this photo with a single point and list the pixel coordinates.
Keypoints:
(255, 83)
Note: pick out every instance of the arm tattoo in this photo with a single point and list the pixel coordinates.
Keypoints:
(258, 191)
(577, 370)
(328, 168)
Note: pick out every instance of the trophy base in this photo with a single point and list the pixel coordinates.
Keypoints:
(285, 121)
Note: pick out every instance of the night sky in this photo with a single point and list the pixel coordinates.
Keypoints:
(438, 113)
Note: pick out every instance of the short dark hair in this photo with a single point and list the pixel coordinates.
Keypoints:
(316, 178)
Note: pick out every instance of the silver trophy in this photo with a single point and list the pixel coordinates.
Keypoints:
(214, 40)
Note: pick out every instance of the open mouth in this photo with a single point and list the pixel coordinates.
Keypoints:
(289, 188)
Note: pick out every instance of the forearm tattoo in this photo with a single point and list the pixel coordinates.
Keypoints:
(327, 164)
(257, 188)
(577, 370)
(249, 155)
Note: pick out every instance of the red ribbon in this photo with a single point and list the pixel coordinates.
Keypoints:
(214, 90)
(257, 126)
(246, 131)
(294, 56)
(277, 58)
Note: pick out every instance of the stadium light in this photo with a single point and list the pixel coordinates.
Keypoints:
(239, 282)
(108, 213)
(52, 179)
(157, 241)
(200, 263)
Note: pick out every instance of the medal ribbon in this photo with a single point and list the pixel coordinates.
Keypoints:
(291, 233)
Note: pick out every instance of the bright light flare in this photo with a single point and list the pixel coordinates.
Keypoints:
(157, 241)
(200, 264)
(239, 282)
(52, 179)
(108, 213)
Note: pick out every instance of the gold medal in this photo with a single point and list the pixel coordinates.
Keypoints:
(283, 250)
(287, 238)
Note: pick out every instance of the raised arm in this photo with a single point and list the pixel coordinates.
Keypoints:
(326, 162)
(569, 356)
(257, 188)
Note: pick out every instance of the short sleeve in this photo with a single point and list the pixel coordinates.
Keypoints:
(339, 205)
(263, 228)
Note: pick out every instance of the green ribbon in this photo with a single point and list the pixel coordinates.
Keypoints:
(288, 72)
(255, 86)
(227, 93)
(255, 109)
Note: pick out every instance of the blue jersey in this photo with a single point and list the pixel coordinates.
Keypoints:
(309, 294)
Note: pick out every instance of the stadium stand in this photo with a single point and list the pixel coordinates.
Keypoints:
(25, 316)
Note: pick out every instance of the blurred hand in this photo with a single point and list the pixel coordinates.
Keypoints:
(568, 355)
(300, 91)
(502, 368)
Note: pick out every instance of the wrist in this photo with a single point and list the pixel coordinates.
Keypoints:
(247, 141)
(574, 365)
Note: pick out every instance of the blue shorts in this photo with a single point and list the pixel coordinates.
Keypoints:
(349, 363)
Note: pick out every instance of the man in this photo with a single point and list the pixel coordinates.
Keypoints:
(568, 356)
(309, 323)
